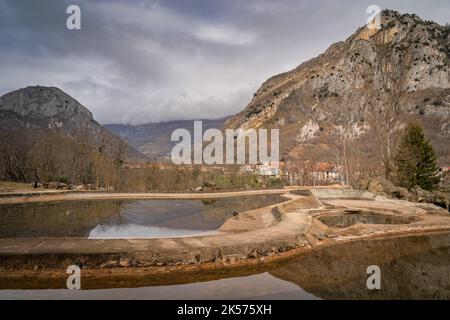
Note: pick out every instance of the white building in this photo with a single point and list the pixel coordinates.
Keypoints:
(326, 173)
(269, 169)
(247, 169)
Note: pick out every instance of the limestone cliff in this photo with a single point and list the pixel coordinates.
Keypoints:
(327, 97)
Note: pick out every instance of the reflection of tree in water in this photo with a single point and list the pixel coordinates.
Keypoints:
(59, 219)
(78, 218)
(120, 213)
(206, 202)
(411, 268)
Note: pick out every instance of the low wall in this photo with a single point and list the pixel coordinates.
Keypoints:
(323, 194)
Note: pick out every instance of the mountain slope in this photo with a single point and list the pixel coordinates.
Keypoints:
(318, 102)
(38, 107)
(153, 139)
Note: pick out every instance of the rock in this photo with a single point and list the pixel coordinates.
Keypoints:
(319, 235)
(400, 193)
(375, 186)
(36, 185)
(198, 189)
(381, 186)
(50, 108)
(108, 264)
(124, 262)
(50, 185)
(436, 197)
(312, 93)
(61, 185)
(55, 185)
(302, 244)
(209, 187)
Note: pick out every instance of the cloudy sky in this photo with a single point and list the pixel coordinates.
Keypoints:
(145, 61)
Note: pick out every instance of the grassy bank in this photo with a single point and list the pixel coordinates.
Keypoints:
(6, 186)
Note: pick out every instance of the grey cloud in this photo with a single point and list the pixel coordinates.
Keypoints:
(141, 61)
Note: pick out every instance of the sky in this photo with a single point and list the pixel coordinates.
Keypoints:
(135, 62)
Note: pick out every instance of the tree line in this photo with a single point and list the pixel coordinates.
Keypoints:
(44, 155)
(49, 155)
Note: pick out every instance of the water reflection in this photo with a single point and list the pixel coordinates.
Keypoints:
(55, 220)
(411, 268)
(260, 286)
(346, 219)
(135, 231)
(123, 219)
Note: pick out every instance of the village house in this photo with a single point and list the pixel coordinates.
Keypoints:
(326, 173)
(310, 173)
(269, 169)
(246, 169)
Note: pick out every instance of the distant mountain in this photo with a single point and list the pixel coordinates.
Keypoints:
(153, 139)
(325, 98)
(38, 107)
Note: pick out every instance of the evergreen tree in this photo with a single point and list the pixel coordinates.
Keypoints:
(415, 161)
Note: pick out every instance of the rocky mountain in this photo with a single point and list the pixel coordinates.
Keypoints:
(330, 96)
(153, 139)
(38, 107)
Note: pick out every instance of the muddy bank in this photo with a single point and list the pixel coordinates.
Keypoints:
(331, 271)
(255, 237)
(55, 196)
(411, 267)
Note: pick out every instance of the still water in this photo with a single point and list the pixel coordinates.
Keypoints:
(415, 267)
(118, 219)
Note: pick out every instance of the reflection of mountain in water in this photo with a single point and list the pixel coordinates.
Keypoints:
(200, 215)
(123, 219)
(411, 268)
(60, 219)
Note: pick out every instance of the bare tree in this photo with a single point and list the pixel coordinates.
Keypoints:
(14, 155)
(348, 159)
(384, 84)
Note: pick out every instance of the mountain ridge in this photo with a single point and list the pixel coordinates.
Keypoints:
(50, 108)
(153, 139)
(317, 102)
